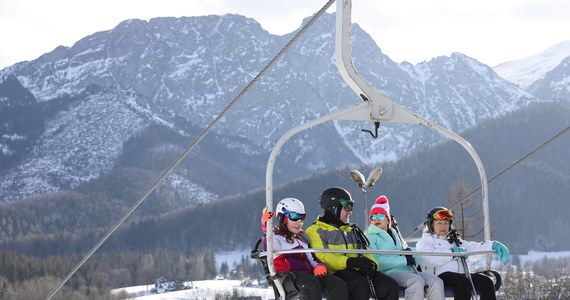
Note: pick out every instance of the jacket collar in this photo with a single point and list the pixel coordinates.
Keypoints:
(331, 219)
(329, 226)
(374, 229)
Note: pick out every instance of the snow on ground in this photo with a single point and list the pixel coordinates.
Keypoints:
(208, 289)
(199, 290)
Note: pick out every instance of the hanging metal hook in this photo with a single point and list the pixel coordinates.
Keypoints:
(375, 134)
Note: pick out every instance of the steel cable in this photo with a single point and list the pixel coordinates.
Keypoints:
(420, 226)
(192, 146)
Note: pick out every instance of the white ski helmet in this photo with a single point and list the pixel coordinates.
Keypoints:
(290, 205)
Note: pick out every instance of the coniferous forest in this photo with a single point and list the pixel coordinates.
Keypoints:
(44, 236)
(33, 278)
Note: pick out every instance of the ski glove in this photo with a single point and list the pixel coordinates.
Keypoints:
(410, 261)
(459, 249)
(502, 251)
(266, 216)
(362, 264)
(320, 270)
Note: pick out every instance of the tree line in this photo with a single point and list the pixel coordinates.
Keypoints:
(544, 279)
(30, 278)
(72, 221)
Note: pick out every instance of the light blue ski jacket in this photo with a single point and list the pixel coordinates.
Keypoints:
(381, 240)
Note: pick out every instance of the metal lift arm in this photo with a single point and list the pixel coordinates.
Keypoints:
(375, 107)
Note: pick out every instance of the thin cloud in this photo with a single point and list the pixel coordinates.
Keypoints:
(413, 30)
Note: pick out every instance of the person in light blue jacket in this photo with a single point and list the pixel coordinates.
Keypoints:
(401, 268)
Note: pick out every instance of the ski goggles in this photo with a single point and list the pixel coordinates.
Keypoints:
(347, 204)
(443, 214)
(294, 216)
(378, 217)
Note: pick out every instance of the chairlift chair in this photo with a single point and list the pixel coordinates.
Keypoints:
(376, 108)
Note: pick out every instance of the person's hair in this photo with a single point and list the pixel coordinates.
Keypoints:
(281, 229)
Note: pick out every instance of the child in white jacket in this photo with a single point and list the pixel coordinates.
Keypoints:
(450, 268)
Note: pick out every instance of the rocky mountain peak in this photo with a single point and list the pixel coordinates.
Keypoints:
(179, 73)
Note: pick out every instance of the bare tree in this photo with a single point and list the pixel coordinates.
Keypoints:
(468, 213)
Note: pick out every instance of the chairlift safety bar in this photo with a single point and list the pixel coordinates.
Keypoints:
(388, 252)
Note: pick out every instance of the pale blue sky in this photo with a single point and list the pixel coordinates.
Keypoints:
(491, 31)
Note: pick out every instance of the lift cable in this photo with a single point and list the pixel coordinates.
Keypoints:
(192, 146)
(421, 225)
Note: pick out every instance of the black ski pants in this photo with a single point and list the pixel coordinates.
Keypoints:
(312, 287)
(359, 288)
(462, 286)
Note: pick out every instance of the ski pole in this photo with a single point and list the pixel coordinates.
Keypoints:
(402, 241)
(468, 274)
(453, 236)
(395, 226)
(371, 285)
(361, 244)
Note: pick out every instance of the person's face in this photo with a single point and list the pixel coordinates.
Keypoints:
(441, 227)
(345, 215)
(294, 227)
(381, 221)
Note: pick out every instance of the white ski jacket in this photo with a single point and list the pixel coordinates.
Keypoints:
(440, 264)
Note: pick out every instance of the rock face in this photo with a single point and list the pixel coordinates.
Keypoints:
(73, 111)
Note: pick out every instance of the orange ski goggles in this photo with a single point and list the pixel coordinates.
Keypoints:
(443, 214)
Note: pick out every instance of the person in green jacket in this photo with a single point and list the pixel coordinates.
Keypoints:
(333, 230)
(402, 268)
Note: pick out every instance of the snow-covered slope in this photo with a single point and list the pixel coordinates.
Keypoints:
(555, 85)
(182, 72)
(202, 289)
(526, 71)
(88, 134)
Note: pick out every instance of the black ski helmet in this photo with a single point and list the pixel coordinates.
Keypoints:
(330, 199)
(431, 216)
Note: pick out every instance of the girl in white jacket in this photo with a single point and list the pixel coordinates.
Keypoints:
(450, 268)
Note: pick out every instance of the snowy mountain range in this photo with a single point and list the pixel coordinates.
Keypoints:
(529, 71)
(77, 114)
